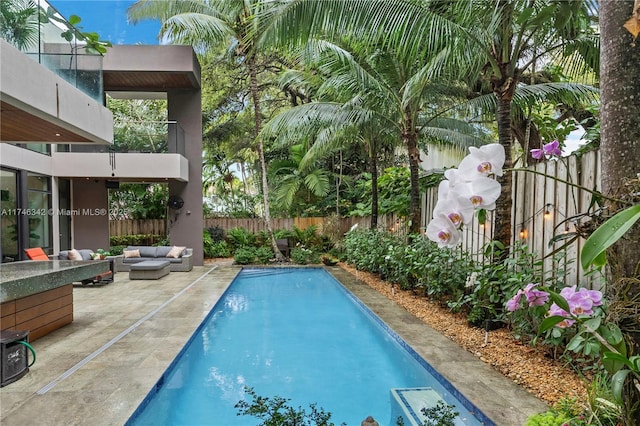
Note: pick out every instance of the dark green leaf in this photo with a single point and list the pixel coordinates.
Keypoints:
(593, 252)
(549, 323)
(617, 384)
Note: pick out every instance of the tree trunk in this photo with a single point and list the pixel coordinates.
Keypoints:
(620, 150)
(502, 223)
(410, 139)
(255, 96)
(374, 188)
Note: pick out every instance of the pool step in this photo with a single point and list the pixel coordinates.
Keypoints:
(409, 402)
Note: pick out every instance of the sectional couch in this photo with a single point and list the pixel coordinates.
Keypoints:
(135, 254)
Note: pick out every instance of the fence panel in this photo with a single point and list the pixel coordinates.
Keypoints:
(137, 226)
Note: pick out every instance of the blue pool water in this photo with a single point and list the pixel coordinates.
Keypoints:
(292, 333)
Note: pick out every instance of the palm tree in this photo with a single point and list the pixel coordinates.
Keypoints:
(19, 23)
(482, 41)
(508, 36)
(208, 24)
(292, 181)
(393, 90)
(620, 149)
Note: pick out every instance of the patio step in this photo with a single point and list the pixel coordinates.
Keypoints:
(409, 402)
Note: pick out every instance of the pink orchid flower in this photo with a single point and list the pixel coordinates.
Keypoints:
(551, 149)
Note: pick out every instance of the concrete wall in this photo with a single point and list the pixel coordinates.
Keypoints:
(90, 220)
(124, 166)
(30, 87)
(186, 226)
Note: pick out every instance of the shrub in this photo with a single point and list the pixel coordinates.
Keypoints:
(221, 249)
(244, 255)
(304, 256)
(135, 239)
(116, 250)
(217, 233)
(239, 237)
(212, 248)
(264, 254)
(207, 244)
(548, 418)
(440, 273)
(163, 242)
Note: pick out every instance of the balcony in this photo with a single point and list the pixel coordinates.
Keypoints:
(49, 39)
(149, 136)
(142, 151)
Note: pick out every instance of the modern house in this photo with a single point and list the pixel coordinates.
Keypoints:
(57, 158)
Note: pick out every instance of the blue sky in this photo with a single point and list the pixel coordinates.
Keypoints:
(108, 18)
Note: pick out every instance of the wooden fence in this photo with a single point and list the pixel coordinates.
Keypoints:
(332, 225)
(547, 203)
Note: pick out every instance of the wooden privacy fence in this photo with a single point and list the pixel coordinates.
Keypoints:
(137, 226)
(325, 225)
(546, 203)
(333, 225)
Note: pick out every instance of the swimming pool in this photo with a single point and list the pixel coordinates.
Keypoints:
(294, 333)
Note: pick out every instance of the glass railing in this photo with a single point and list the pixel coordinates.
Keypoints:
(142, 136)
(38, 30)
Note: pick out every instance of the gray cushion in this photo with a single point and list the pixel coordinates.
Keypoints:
(150, 265)
(85, 253)
(148, 251)
(162, 251)
(136, 259)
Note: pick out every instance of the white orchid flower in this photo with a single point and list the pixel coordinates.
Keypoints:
(482, 192)
(456, 207)
(481, 162)
(442, 231)
(453, 178)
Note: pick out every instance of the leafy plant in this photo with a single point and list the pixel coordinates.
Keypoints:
(264, 254)
(239, 237)
(116, 250)
(245, 255)
(594, 249)
(135, 240)
(276, 411)
(304, 256)
(329, 260)
(548, 418)
(217, 233)
(441, 414)
(213, 249)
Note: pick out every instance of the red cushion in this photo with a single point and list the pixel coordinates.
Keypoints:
(36, 253)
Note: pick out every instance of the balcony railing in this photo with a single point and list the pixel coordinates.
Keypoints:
(38, 30)
(142, 136)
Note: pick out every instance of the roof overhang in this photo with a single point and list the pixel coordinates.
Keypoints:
(143, 72)
(38, 106)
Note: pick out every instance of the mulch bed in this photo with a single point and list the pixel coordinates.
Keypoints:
(530, 367)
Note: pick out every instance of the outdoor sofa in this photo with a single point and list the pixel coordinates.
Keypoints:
(135, 254)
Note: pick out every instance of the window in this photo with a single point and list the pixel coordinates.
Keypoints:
(38, 205)
(8, 215)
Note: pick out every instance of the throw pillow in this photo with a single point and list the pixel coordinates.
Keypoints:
(131, 253)
(175, 252)
(74, 254)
